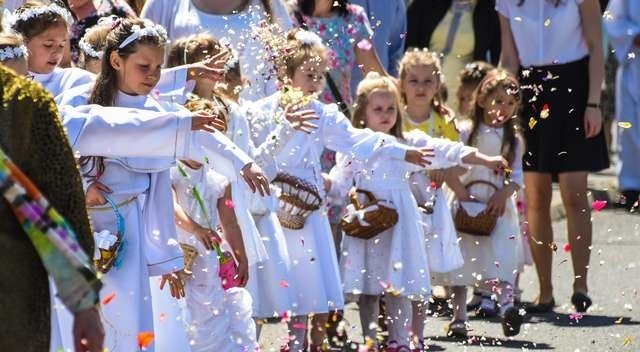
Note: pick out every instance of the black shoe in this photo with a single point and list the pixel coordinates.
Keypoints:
(628, 199)
(540, 308)
(581, 301)
(511, 322)
(474, 306)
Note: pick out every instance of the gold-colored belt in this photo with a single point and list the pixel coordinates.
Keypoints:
(106, 206)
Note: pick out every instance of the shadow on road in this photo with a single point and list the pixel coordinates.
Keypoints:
(585, 320)
(493, 342)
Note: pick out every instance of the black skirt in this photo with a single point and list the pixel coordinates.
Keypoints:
(554, 100)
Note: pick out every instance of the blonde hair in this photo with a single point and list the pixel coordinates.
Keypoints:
(423, 57)
(298, 53)
(215, 106)
(10, 40)
(96, 38)
(372, 83)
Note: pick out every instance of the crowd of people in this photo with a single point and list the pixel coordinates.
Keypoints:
(245, 162)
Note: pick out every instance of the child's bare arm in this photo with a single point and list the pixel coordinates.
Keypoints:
(233, 235)
(185, 222)
(452, 179)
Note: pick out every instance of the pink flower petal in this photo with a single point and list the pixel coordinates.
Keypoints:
(365, 44)
(598, 205)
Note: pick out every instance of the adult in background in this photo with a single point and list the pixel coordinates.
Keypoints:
(88, 12)
(556, 47)
(461, 30)
(388, 20)
(31, 135)
(623, 25)
(233, 23)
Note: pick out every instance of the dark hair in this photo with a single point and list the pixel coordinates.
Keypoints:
(498, 78)
(308, 6)
(106, 83)
(35, 25)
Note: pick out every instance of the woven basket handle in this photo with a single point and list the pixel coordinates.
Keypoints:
(356, 201)
(481, 182)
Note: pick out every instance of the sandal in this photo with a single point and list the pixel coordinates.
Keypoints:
(511, 322)
(540, 308)
(458, 329)
(581, 301)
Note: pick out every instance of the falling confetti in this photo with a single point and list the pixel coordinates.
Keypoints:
(567, 248)
(576, 317)
(108, 299)
(544, 113)
(624, 124)
(229, 203)
(145, 339)
(532, 123)
(547, 22)
(598, 205)
(365, 44)
(284, 284)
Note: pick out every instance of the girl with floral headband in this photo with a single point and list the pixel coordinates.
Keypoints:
(303, 63)
(45, 29)
(13, 53)
(133, 54)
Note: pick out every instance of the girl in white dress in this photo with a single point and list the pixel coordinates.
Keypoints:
(269, 272)
(494, 260)
(394, 262)
(141, 188)
(314, 268)
(45, 29)
(218, 320)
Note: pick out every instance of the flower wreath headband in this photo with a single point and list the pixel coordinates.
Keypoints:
(14, 18)
(12, 52)
(87, 48)
(150, 29)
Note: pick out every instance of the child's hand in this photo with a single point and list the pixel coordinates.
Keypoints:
(243, 273)
(95, 194)
(437, 177)
(175, 284)
(211, 68)
(464, 196)
(300, 119)
(205, 236)
(497, 163)
(419, 156)
(256, 179)
(327, 182)
(208, 122)
(497, 203)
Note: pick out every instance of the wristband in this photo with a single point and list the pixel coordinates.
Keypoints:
(593, 105)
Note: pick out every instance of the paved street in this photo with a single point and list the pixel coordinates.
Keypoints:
(612, 324)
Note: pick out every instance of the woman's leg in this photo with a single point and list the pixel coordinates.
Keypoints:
(298, 333)
(369, 311)
(573, 188)
(538, 196)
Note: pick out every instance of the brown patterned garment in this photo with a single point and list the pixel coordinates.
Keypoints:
(32, 135)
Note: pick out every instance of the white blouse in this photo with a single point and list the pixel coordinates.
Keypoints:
(545, 34)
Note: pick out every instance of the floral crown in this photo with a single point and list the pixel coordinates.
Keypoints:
(89, 50)
(12, 52)
(149, 29)
(308, 38)
(27, 14)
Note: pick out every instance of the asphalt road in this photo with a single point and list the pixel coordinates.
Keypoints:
(612, 323)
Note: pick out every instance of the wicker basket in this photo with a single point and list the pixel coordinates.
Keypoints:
(298, 199)
(479, 225)
(190, 255)
(378, 220)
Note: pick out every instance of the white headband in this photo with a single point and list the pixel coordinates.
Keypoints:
(89, 50)
(149, 30)
(12, 52)
(38, 11)
(308, 38)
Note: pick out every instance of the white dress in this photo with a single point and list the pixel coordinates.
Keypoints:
(314, 268)
(183, 18)
(498, 256)
(217, 320)
(269, 277)
(61, 80)
(394, 259)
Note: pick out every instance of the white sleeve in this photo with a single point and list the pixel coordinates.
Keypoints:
(173, 85)
(221, 153)
(281, 14)
(447, 153)
(342, 176)
(339, 135)
(123, 132)
(621, 29)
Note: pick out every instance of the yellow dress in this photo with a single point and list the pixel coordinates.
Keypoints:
(461, 51)
(435, 126)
